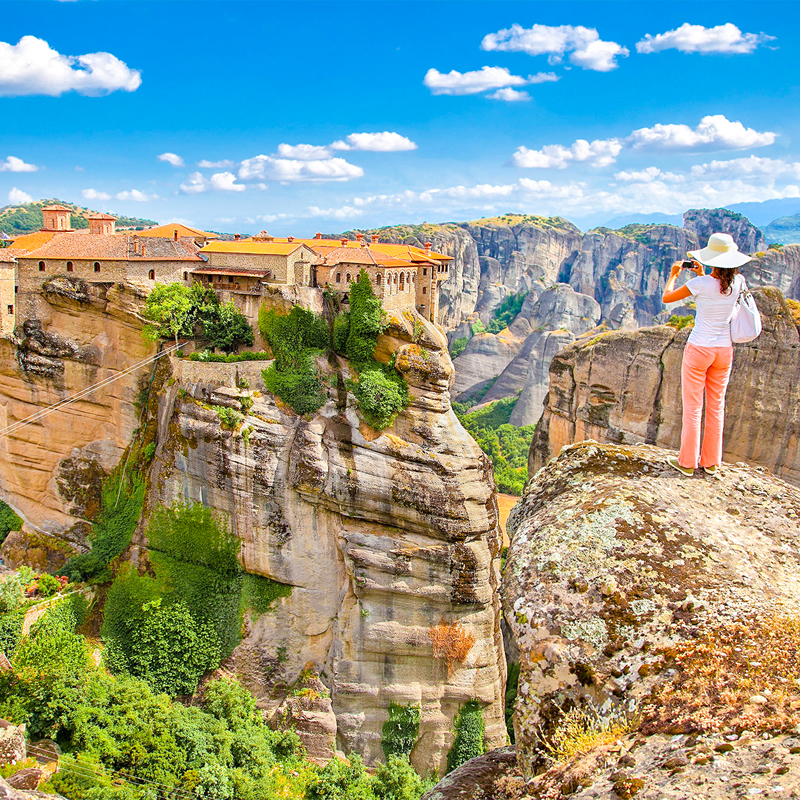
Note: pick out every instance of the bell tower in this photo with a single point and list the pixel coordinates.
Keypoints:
(56, 218)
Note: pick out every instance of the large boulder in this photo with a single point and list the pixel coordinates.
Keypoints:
(633, 592)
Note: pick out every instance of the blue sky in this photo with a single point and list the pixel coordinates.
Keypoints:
(579, 112)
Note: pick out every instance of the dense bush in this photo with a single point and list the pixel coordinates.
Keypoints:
(227, 328)
(295, 339)
(47, 585)
(381, 393)
(508, 309)
(506, 444)
(469, 729)
(458, 346)
(366, 322)
(678, 322)
(121, 500)
(341, 330)
(340, 780)
(400, 731)
(9, 521)
(230, 358)
(398, 780)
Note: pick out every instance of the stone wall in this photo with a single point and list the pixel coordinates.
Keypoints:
(7, 299)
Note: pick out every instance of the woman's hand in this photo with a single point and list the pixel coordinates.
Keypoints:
(698, 269)
(676, 269)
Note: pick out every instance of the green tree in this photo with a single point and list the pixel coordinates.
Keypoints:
(469, 738)
(341, 780)
(227, 328)
(9, 521)
(398, 780)
(366, 321)
(170, 312)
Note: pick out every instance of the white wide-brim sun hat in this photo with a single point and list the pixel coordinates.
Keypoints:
(721, 251)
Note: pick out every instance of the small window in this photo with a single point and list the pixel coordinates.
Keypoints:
(338, 277)
(70, 267)
(10, 309)
(186, 276)
(378, 279)
(97, 266)
(41, 266)
(349, 279)
(152, 274)
(424, 271)
(230, 278)
(424, 290)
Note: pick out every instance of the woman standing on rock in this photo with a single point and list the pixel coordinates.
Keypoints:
(708, 356)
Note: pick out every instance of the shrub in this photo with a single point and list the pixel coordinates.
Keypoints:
(11, 630)
(230, 358)
(458, 346)
(451, 643)
(9, 521)
(681, 322)
(469, 729)
(512, 684)
(341, 330)
(381, 393)
(300, 386)
(794, 308)
(227, 328)
(366, 321)
(48, 585)
(398, 780)
(400, 731)
(341, 780)
(504, 315)
(229, 417)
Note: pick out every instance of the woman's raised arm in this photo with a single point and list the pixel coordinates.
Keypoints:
(671, 294)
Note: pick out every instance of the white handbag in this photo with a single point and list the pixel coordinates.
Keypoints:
(745, 319)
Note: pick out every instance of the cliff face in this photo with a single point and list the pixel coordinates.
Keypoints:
(628, 586)
(382, 537)
(705, 221)
(624, 387)
(51, 470)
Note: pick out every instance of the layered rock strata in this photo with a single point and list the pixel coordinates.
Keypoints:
(624, 387)
(382, 535)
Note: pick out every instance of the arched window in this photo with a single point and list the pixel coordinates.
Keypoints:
(70, 266)
(97, 266)
(338, 277)
(41, 266)
(152, 274)
(402, 281)
(378, 279)
(186, 276)
(349, 279)
(424, 290)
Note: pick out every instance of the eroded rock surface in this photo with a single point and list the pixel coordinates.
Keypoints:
(381, 535)
(624, 387)
(620, 569)
(705, 221)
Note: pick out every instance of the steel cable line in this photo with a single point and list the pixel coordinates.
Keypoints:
(14, 427)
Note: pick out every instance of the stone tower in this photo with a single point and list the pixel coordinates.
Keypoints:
(56, 218)
(102, 224)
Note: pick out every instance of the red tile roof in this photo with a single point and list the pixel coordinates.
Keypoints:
(6, 255)
(93, 247)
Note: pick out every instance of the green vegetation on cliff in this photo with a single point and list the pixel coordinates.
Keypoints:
(506, 311)
(469, 741)
(506, 444)
(400, 731)
(9, 521)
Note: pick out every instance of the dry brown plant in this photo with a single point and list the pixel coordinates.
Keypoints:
(744, 676)
(451, 643)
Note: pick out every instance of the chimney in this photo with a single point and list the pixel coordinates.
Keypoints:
(359, 237)
(236, 237)
(374, 238)
(135, 245)
(317, 235)
(142, 248)
(428, 246)
(290, 238)
(344, 242)
(175, 235)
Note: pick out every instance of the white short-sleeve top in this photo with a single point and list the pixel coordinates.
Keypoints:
(711, 325)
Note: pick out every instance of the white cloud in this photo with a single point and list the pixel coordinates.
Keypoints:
(304, 152)
(383, 142)
(509, 95)
(93, 194)
(583, 46)
(715, 132)
(33, 67)
(750, 166)
(482, 80)
(268, 217)
(345, 212)
(284, 169)
(224, 182)
(172, 158)
(135, 194)
(14, 164)
(224, 164)
(194, 184)
(18, 196)
(688, 38)
(599, 153)
(225, 220)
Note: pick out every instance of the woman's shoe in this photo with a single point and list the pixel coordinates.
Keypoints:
(673, 462)
(712, 472)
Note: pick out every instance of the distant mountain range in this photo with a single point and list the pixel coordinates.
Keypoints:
(16, 220)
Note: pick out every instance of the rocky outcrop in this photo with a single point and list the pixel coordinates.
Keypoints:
(8, 792)
(624, 387)
(382, 535)
(705, 221)
(779, 267)
(638, 596)
(51, 468)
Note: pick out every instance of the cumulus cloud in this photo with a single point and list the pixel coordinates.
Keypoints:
(751, 166)
(688, 38)
(194, 184)
(14, 164)
(18, 196)
(172, 158)
(225, 182)
(32, 67)
(224, 164)
(93, 194)
(599, 153)
(715, 132)
(135, 194)
(293, 170)
(345, 212)
(509, 95)
(481, 80)
(582, 46)
(383, 142)
(645, 175)
(304, 152)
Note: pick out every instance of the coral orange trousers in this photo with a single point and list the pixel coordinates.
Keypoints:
(705, 370)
